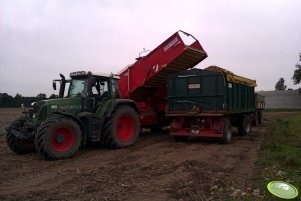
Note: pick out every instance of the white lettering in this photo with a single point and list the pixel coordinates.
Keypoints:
(169, 45)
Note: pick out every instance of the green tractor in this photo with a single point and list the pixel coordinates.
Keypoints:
(92, 111)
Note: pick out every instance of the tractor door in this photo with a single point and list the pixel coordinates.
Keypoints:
(109, 93)
(99, 92)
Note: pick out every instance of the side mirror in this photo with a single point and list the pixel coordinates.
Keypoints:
(54, 85)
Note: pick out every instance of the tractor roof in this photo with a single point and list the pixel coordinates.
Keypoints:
(99, 74)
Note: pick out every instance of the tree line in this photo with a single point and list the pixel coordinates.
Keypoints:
(16, 101)
(280, 86)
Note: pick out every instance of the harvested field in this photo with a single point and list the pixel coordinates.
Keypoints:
(156, 168)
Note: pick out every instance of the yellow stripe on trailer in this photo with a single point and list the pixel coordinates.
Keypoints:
(231, 77)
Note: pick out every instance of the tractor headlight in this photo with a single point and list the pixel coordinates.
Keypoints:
(32, 104)
(33, 110)
(38, 111)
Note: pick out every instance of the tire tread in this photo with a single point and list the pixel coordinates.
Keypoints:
(43, 130)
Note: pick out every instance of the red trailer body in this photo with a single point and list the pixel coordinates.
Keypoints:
(145, 81)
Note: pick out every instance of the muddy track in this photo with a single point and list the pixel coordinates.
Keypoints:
(156, 168)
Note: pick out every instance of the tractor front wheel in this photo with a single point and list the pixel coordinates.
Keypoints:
(58, 138)
(19, 146)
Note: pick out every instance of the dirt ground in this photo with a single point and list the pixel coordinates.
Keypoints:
(156, 168)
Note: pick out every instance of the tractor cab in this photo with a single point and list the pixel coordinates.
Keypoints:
(92, 89)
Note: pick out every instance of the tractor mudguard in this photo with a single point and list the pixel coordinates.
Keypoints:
(118, 102)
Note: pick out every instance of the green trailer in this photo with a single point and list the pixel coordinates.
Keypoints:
(207, 103)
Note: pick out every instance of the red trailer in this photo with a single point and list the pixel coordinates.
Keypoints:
(145, 80)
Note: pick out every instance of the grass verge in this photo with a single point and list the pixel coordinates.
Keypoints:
(281, 110)
(280, 156)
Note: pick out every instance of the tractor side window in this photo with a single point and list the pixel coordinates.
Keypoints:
(103, 87)
(77, 87)
(96, 89)
(104, 90)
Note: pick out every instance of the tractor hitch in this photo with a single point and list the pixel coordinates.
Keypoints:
(27, 132)
(22, 135)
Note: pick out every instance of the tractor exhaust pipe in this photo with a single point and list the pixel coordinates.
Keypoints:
(62, 87)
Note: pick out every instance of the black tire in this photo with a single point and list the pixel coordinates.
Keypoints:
(19, 146)
(156, 128)
(58, 138)
(255, 120)
(180, 138)
(227, 132)
(260, 117)
(245, 126)
(122, 128)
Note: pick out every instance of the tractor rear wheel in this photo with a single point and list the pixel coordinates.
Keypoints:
(122, 128)
(58, 138)
(245, 126)
(19, 146)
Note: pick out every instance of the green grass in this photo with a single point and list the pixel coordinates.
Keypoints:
(281, 110)
(280, 155)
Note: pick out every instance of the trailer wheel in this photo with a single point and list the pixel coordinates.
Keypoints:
(180, 138)
(227, 132)
(260, 117)
(245, 126)
(58, 138)
(122, 128)
(19, 146)
(255, 120)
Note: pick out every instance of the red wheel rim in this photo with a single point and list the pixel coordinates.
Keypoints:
(125, 128)
(62, 139)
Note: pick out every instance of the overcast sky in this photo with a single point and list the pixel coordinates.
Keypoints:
(39, 39)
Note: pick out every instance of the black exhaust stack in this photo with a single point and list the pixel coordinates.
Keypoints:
(62, 87)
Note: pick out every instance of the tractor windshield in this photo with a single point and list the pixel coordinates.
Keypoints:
(78, 87)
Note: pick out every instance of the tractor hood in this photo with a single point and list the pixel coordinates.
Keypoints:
(44, 109)
(65, 105)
